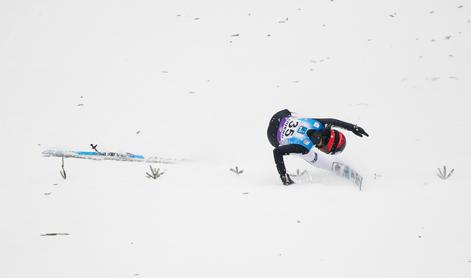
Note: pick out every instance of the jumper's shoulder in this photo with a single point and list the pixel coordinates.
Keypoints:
(326, 120)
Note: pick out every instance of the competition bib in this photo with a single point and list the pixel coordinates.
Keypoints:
(293, 130)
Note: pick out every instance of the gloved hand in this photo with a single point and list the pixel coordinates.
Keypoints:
(286, 179)
(359, 131)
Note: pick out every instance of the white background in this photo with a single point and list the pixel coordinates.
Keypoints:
(200, 81)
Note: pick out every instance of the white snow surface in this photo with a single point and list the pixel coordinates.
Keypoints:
(199, 80)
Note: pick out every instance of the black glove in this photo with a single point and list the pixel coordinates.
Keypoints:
(286, 179)
(359, 131)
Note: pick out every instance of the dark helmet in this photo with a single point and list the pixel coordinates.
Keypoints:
(334, 142)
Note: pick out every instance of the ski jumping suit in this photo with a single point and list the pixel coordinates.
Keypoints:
(292, 134)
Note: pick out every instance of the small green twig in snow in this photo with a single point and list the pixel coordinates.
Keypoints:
(155, 173)
(63, 173)
(236, 170)
(443, 175)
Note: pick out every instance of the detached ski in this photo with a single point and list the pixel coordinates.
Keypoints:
(108, 156)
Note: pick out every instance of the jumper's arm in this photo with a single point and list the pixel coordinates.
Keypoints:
(280, 151)
(348, 126)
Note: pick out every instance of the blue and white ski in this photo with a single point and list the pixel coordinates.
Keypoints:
(108, 156)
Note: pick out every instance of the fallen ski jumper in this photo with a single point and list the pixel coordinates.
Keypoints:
(311, 139)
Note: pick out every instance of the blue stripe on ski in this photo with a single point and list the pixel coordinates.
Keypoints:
(88, 153)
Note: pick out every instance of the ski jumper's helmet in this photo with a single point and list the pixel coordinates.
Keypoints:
(334, 142)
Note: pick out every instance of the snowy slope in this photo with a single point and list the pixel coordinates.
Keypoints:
(199, 80)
